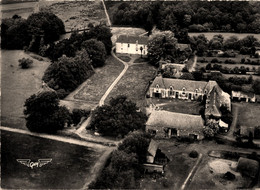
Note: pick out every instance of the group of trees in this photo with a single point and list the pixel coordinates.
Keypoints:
(67, 73)
(74, 59)
(118, 118)
(194, 16)
(43, 113)
(226, 70)
(247, 45)
(19, 33)
(124, 168)
(96, 41)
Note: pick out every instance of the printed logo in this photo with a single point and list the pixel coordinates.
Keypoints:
(28, 163)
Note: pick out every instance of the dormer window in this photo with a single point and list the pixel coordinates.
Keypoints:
(205, 91)
(183, 91)
(196, 91)
(157, 86)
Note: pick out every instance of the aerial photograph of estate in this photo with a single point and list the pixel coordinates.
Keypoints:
(141, 94)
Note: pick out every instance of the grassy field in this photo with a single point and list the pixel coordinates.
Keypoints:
(210, 175)
(248, 114)
(117, 31)
(209, 35)
(70, 167)
(17, 85)
(176, 105)
(133, 84)
(77, 15)
(22, 9)
(97, 84)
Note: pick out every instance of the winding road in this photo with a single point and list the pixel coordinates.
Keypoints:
(102, 100)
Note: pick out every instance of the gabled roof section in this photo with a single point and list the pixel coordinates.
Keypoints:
(182, 47)
(213, 104)
(175, 120)
(132, 39)
(179, 84)
(152, 149)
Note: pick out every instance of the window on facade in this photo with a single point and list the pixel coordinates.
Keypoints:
(171, 90)
(121, 46)
(128, 45)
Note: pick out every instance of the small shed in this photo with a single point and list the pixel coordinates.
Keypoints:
(223, 125)
(248, 167)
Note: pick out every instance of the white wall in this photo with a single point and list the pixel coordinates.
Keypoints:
(123, 48)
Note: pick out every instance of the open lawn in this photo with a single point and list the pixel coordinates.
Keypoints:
(176, 105)
(210, 175)
(95, 87)
(134, 83)
(23, 9)
(78, 14)
(70, 168)
(117, 31)
(17, 85)
(248, 114)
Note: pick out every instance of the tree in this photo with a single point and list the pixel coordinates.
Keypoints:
(256, 86)
(211, 129)
(14, 33)
(187, 76)
(118, 118)
(46, 24)
(136, 142)
(67, 73)
(96, 51)
(43, 113)
(25, 63)
(103, 34)
(162, 45)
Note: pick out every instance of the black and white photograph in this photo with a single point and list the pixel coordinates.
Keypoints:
(136, 94)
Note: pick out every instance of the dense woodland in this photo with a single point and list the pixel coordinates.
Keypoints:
(194, 16)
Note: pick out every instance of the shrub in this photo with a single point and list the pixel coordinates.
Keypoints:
(77, 114)
(215, 60)
(194, 154)
(229, 176)
(25, 63)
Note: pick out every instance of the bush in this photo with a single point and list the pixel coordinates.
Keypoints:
(194, 154)
(229, 176)
(25, 63)
(230, 61)
(215, 60)
(77, 114)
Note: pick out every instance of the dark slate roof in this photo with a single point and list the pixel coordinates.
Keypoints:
(213, 104)
(132, 39)
(179, 84)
